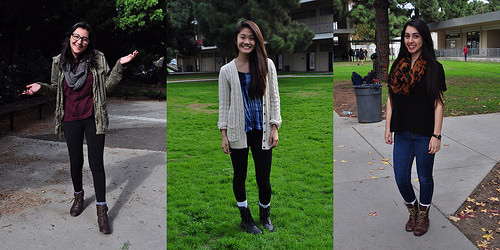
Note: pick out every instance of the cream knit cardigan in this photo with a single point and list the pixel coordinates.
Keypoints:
(231, 108)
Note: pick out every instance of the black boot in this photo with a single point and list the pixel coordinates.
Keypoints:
(247, 221)
(264, 218)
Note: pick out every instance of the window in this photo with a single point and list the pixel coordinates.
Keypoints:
(304, 14)
(326, 11)
(453, 35)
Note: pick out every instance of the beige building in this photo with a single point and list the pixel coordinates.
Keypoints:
(316, 14)
(480, 33)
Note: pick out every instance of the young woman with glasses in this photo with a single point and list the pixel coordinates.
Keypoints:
(80, 78)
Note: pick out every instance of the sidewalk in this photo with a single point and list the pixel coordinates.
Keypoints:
(34, 172)
(364, 185)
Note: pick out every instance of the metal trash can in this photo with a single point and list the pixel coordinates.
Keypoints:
(369, 102)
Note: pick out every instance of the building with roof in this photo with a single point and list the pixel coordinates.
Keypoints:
(315, 14)
(480, 33)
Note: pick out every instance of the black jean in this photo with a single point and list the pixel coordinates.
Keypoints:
(262, 159)
(74, 131)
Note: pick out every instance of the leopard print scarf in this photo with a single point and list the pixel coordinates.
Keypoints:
(404, 78)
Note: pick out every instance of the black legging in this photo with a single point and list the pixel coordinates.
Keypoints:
(74, 132)
(262, 160)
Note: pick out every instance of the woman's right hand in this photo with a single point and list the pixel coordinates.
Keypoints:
(388, 137)
(225, 142)
(32, 89)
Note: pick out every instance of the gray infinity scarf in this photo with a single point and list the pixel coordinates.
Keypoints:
(76, 80)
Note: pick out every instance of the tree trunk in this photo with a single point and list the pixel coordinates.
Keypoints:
(382, 37)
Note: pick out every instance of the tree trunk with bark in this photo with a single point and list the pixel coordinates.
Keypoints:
(382, 38)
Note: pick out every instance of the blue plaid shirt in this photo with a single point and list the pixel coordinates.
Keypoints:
(253, 107)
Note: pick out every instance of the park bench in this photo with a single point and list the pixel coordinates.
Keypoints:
(14, 107)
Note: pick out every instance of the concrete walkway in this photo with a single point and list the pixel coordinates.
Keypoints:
(36, 191)
(365, 185)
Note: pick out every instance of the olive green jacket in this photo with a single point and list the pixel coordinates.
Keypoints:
(105, 79)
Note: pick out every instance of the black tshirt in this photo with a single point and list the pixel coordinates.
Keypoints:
(415, 113)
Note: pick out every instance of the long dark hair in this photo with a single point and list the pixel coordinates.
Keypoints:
(258, 59)
(428, 54)
(88, 54)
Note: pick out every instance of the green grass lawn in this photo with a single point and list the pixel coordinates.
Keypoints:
(201, 208)
(473, 87)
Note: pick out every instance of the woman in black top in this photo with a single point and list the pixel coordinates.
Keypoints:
(415, 115)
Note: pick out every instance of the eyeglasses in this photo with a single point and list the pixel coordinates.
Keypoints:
(76, 38)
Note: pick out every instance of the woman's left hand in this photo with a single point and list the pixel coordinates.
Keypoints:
(273, 137)
(434, 145)
(129, 57)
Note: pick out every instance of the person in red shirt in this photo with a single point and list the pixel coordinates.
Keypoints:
(466, 51)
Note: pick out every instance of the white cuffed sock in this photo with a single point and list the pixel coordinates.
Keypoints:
(242, 203)
(265, 206)
(411, 203)
(79, 192)
(425, 205)
(101, 203)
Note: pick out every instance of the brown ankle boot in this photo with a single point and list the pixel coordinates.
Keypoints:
(102, 219)
(422, 221)
(77, 207)
(412, 220)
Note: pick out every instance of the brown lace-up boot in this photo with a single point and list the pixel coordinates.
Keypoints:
(102, 219)
(77, 207)
(412, 220)
(422, 221)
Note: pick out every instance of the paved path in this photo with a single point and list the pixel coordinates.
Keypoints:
(469, 151)
(34, 172)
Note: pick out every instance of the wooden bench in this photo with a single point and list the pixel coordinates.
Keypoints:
(14, 107)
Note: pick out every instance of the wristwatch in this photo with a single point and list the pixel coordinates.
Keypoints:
(437, 136)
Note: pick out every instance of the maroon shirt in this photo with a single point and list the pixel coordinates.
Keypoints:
(78, 105)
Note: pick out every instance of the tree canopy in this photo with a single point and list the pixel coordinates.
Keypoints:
(32, 32)
(273, 18)
(362, 14)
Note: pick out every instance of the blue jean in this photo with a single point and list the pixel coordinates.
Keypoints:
(408, 146)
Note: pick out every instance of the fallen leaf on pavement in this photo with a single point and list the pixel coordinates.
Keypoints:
(371, 171)
(453, 218)
(370, 163)
(470, 199)
(381, 168)
(493, 199)
(341, 146)
(343, 161)
(373, 177)
(488, 237)
(373, 214)
(483, 244)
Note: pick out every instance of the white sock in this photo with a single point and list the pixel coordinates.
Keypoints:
(428, 205)
(265, 206)
(242, 203)
(411, 203)
(101, 203)
(79, 192)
